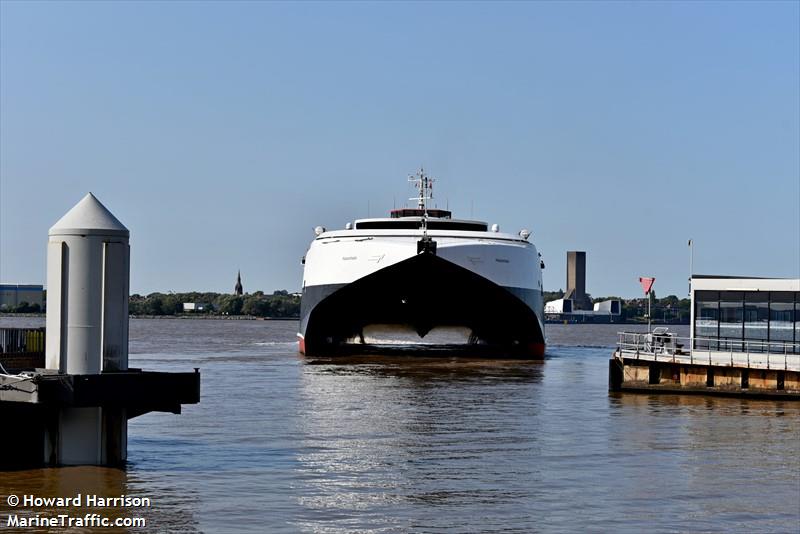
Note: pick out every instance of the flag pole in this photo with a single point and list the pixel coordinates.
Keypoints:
(647, 286)
(691, 265)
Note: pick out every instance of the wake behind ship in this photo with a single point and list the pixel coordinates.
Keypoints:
(420, 280)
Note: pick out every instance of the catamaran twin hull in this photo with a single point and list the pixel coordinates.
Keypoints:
(428, 291)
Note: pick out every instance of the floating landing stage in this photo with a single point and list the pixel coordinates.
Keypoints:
(40, 405)
(663, 362)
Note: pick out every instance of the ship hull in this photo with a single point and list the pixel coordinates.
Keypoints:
(423, 293)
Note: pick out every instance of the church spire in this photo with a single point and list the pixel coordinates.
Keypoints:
(237, 290)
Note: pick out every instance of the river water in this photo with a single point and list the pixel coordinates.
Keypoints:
(279, 443)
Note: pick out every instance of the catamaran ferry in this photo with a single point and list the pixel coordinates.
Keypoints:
(425, 281)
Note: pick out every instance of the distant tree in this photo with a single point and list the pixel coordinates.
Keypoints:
(671, 301)
(136, 304)
(285, 306)
(278, 304)
(553, 295)
(25, 307)
(172, 304)
(154, 304)
(231, 304)
(254, 305)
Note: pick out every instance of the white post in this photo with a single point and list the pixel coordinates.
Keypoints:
(87, 324)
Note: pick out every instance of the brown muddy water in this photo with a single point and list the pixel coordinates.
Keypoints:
(283, 444)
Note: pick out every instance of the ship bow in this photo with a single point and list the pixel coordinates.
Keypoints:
(422, 293)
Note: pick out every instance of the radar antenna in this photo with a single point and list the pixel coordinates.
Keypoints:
(424, 185)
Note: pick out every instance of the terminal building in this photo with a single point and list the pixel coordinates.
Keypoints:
(191, 307)
(744, 340)
(12, 295)
(743, 314)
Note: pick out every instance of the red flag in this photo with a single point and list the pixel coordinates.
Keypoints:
(647, 284)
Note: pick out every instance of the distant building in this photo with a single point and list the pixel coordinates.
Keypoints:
(237, 289)
(602, 312)
(610, 307)
(576, 280)
(557, 307)
(189, 307)
(12, 295)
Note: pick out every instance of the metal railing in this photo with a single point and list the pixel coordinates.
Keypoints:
(661, 345)
(21, 341)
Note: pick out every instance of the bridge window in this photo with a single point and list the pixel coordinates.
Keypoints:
(401, 224)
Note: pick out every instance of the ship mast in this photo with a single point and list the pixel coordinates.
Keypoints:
(424, 185)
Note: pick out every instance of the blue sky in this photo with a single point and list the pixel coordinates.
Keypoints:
(222, 133)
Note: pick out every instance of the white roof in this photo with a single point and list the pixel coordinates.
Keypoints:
(731, 283)
(89, 217)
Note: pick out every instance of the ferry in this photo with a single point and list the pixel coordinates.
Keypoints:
(423, 281)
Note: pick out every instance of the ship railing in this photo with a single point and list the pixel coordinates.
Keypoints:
(21, 348)
(662, 345)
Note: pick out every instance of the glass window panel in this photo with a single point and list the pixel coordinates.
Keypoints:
(781, 296)
(731, 314)
(706, 319)
(797, 323)
(781, 315)
(756, 320)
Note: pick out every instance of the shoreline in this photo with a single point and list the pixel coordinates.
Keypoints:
(221, 317)
(181, 316)
(256, 318)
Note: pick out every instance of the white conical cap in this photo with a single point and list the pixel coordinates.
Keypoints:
(89, 217)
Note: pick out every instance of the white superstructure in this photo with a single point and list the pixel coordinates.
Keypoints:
(344, 256)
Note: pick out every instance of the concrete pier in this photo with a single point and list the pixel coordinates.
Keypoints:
(662, 362)
(69, 419)
(629, 374)
(744, 341)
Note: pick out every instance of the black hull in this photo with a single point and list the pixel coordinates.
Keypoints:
(423, 292)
